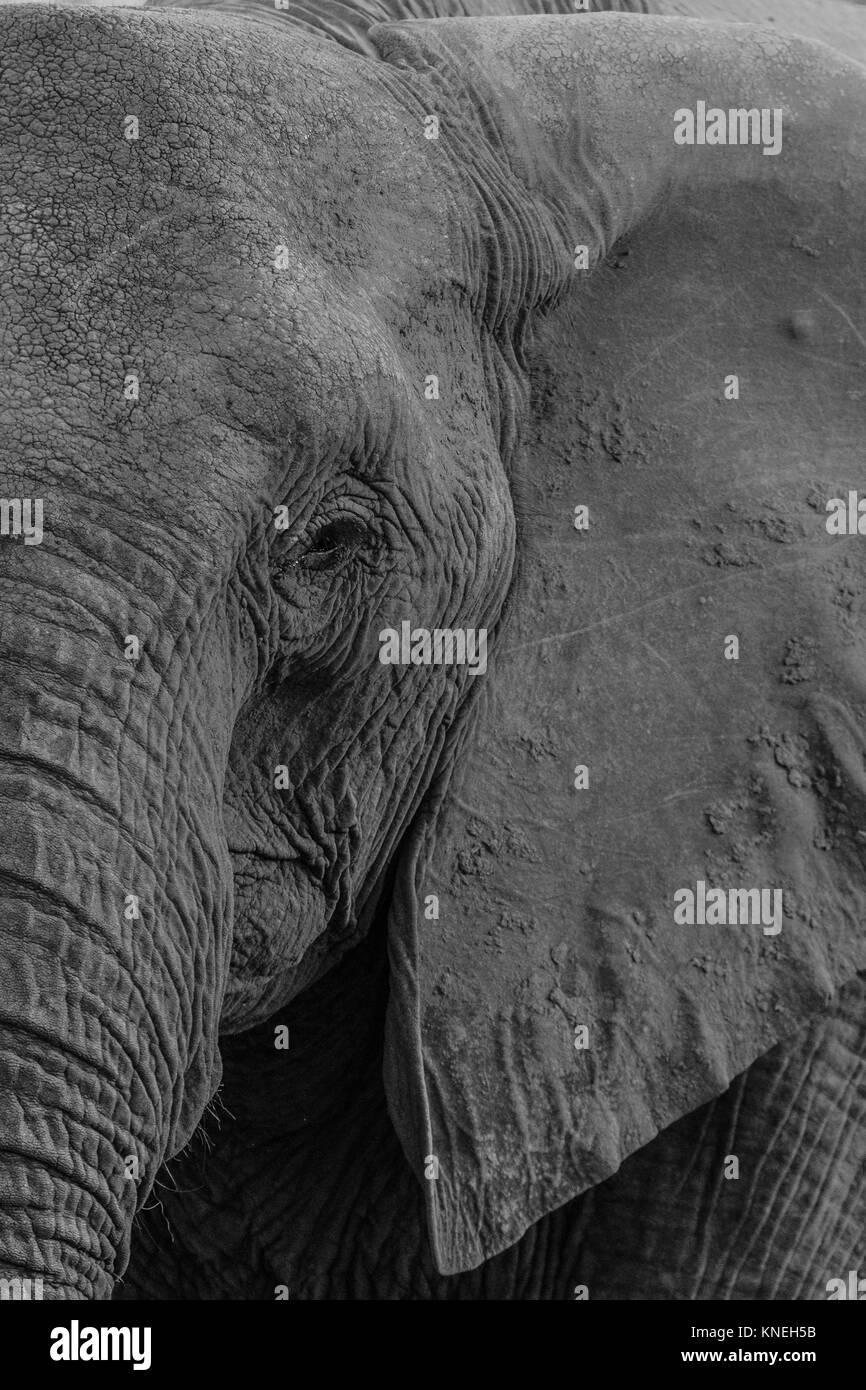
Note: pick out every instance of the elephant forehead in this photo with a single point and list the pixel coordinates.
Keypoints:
(112, 116)
(214, 379)
(245, 231)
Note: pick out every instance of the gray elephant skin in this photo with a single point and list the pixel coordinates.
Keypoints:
(325, 977)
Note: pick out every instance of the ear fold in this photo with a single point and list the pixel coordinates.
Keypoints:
(696, 647)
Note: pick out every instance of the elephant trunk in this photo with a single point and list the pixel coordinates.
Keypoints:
(115, 904)
(78, 1120)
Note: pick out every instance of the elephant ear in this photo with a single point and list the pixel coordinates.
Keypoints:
(676, 695)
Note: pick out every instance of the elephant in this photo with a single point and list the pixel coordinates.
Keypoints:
(341, 344)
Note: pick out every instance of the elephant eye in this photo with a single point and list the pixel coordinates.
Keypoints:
(334, 542)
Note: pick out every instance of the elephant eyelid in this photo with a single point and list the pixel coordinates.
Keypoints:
(333, 542)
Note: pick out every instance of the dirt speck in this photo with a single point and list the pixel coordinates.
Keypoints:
(538, 743)
(720, 815)
(779, 529)
(802, 325)
(798, 663)
(791, 752)
(800, 245)
(727, 555)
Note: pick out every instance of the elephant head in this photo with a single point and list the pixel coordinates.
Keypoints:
(299, 347)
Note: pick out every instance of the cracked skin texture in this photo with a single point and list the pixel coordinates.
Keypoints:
(304, 389)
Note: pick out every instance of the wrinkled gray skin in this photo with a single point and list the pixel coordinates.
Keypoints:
(301, 388)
